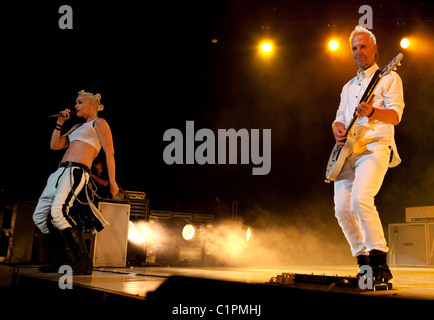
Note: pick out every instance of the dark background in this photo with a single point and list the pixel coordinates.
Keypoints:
(156, 67)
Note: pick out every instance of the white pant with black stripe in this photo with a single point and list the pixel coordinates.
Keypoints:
(58, 196)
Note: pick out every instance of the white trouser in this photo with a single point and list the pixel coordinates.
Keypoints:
(355, 188)
(58, 196)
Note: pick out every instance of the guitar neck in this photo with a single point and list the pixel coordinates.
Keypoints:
(371, 87)
(366, 96)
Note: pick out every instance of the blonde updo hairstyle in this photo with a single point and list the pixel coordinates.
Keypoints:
(94, 98)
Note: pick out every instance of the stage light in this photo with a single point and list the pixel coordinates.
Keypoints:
(131, 227)
(133, 235)
(248, 234)
(266, 47)
(333, 45)
(188, 232)
(405, 43)
(141, 232)
(229, 241)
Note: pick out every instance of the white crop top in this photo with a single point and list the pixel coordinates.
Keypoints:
(86, 132)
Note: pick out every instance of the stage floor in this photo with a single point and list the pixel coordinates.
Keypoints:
(138, 282)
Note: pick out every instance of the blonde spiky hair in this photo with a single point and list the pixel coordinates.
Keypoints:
(96, 98)
(359, 30)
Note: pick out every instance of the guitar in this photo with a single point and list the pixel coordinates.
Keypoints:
(339, 154)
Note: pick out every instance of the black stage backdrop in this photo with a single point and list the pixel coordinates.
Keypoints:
(157, 66)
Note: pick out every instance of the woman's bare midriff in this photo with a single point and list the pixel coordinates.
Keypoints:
(81, 152)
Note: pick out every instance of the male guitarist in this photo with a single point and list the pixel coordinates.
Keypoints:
(373, 152)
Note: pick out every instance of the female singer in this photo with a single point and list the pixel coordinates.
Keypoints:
(83, 142)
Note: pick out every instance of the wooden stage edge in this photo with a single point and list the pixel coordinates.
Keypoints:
(167, 290)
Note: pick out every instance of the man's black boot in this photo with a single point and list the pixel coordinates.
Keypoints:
(362, 260)
(380, 269)
(83, 263)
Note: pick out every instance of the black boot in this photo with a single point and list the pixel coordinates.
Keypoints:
(362, 260)
(83, 263)
(380, 269)
(58, 252)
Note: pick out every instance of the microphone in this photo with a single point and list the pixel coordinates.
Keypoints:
(58, 115)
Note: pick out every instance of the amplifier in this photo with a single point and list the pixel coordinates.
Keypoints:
(139, 205)
(411, 244)
(136, 195)
(419, 214)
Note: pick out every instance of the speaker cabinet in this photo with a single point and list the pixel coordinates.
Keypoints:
(419, 214)
(411, 244)
(16, 232)
(111, 242)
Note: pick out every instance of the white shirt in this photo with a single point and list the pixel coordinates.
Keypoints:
(374, 134)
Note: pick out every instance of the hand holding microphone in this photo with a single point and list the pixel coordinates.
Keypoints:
(63, 115)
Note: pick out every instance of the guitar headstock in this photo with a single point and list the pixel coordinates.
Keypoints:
(396, 62)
